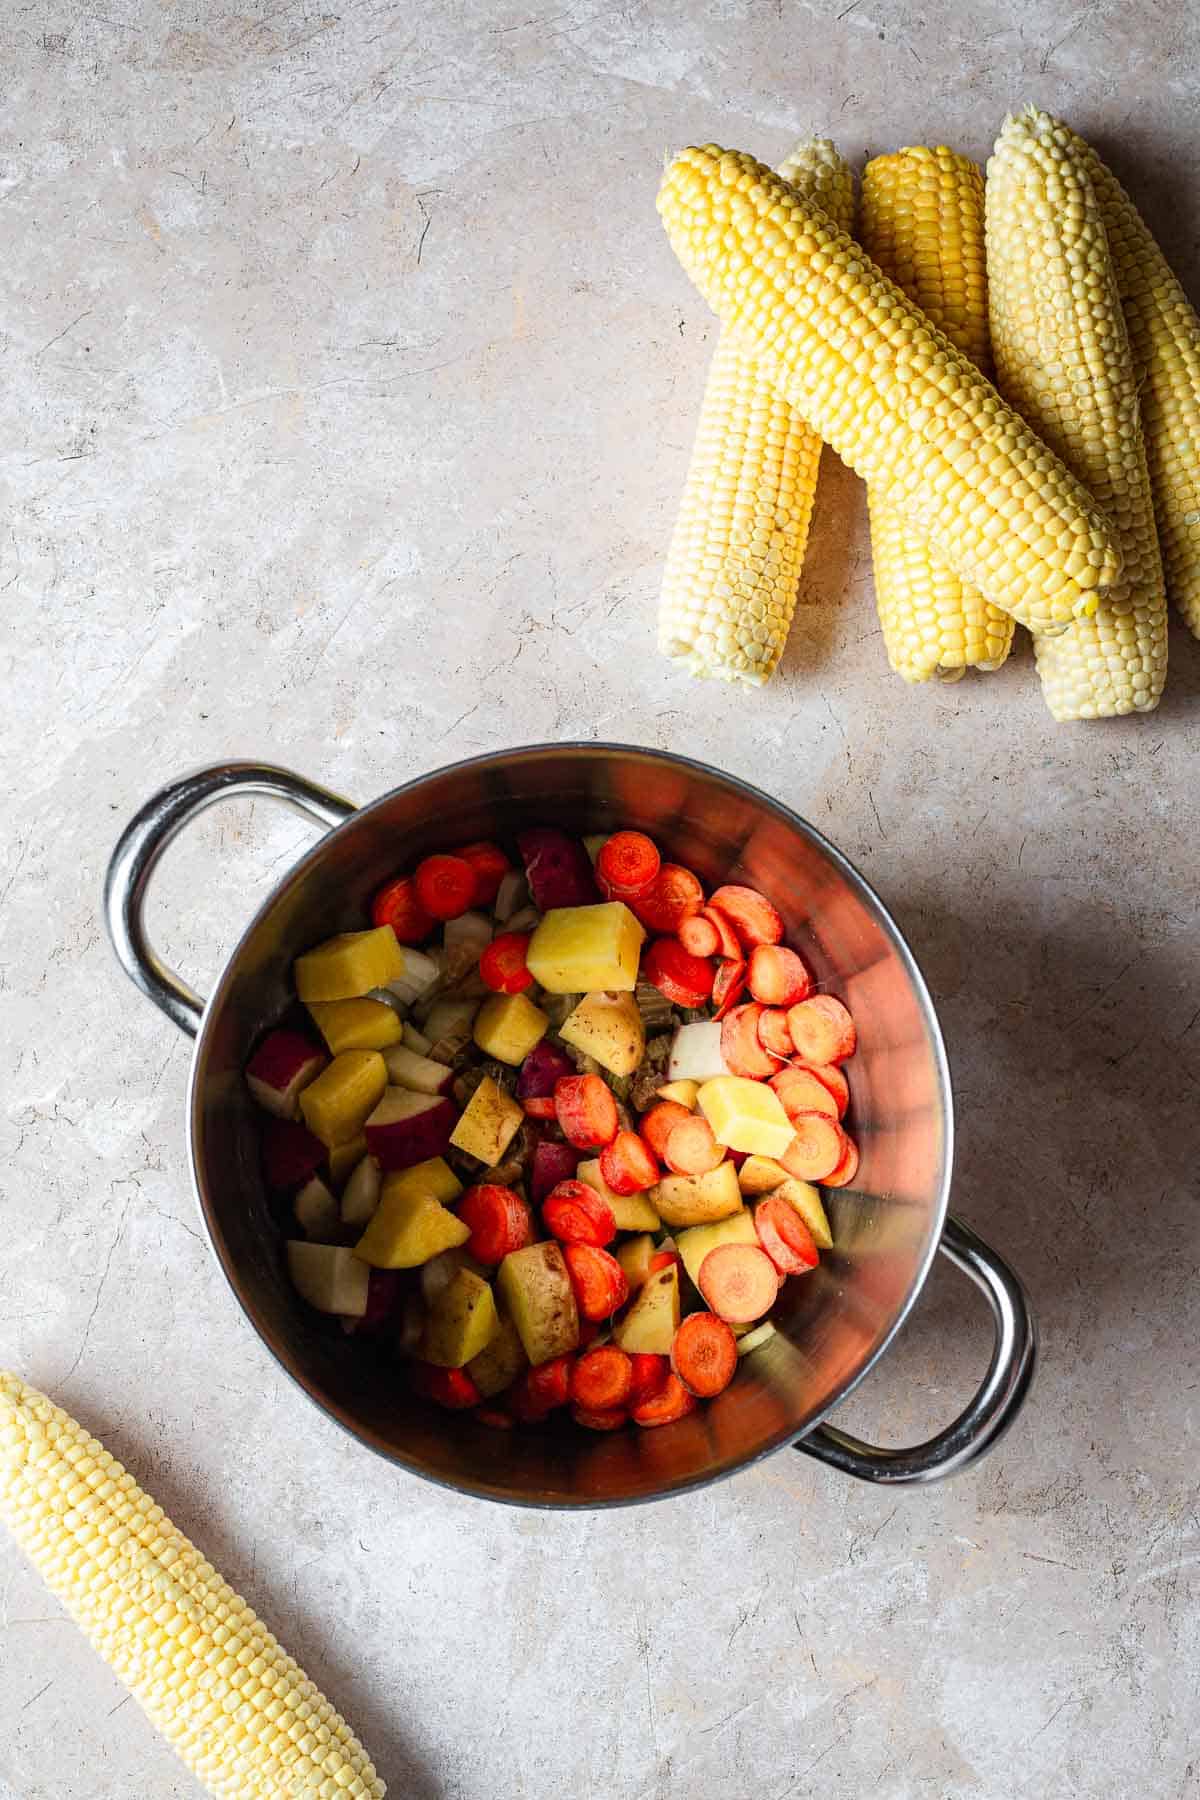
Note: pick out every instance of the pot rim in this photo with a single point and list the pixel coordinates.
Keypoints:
(849, 873)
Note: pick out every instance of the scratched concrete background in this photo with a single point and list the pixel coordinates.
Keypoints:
(348, 384)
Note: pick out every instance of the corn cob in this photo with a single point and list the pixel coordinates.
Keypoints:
(1164, 337)
(892, 396)
(1062, 359)
(733, 570)
(922, 223)
(244, 1718)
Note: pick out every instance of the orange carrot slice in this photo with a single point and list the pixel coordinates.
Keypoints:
(740, 1047)
(751, 914)
(691, 1148)
(785, 1237)
(729, 946)
(627, 864)
(777, 976)
(540, 1390)
(817, 1148)
(586, 1111)
(452, 1388)
(496, 1418)
(597, 1278)
(662, 1259)
(822, 1030)
(704, 1355)
(672, 896)
(396, 904)
(627, 1165)
(649, 1376)
(699, 935)
(800, 1091)
(657, 1125)
(847, 1169)
(499, 1219)
(539, 1106)
(445, 886)
(490, 865)
(502, 967)
(686, 980)
(576, 1214)
(773, 1033)
(670, 1403)
(728, 985)
(739, 1282)
(831, 1077)
(594, 1418)
(602, 1379)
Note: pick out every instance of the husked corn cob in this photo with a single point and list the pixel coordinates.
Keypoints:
(733, 570)
(1063, 360)
(1164, 337)
(922, 223)
(245, 1719)
(882, 385)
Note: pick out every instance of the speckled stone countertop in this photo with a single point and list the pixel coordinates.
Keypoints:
(348, 385)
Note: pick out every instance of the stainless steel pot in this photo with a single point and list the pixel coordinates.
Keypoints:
(835, 1324)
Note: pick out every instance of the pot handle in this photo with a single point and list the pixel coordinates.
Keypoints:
(145, 838)
(994, 1406)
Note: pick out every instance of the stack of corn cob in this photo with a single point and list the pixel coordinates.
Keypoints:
(1043, 503)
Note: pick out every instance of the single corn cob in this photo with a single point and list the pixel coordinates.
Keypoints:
(894, 398)
(1063, 360)
(1164, 337)
(244, 1718)
(922, 223)
(733, 570)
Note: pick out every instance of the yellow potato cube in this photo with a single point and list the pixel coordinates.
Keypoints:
(356, 1024)
(581, 949)
(408, 1229)
(348, 965)
(608, 1027)
(461, 1321)
(698, 1199)
(489, 1124)
(501, 1360)
(632, 1212)
(634, 1256)
(507, 1026)
(434, 1176)
(536, 1288)
(682, 1092)
(806, 1200)
(760, 1175)
(343, 1159)
(336, 1105)
(652, 1321)
(694, 1245)
(746, 1115)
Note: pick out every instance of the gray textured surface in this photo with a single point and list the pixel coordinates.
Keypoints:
(347, 389)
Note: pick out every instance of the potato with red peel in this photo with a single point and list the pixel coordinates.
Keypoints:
(282, 1066)
(407, 1128)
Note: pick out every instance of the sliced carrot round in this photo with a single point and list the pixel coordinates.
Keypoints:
(831, 1077)
(598, 1280)
(817, 1148)
(699, 936)
(740, 1047)
(671, 1402)
(595, 1418)
(739, 1282)
(777, 976)
(627, 864)
(649, 1376)
(602, 1378)
(657, 1125)
(586, 1111)
(686, 980)
(728, 945)
(691, 1148)
(502, 967)
(729, 984)
(800, 1091)
(662, 1259)
(490, 865)
(751, 914)
(673, 895)
(500, 1221)
(704, 1355)
(540, 1390)
(539, 1106)
(452, 1388)
(627, 1165)
(576, 1214)
(847, 1169)
(445, 886)
(496, 1418)
(396, 904)
(785, 1237)
(773, 1033)
(822, 1030)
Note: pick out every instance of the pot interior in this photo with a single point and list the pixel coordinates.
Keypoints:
(831, 1324)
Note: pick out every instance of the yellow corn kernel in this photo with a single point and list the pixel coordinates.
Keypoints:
(922, 223)
(887, 390)
(1063, 360)
(240, 1713)
(733, 569)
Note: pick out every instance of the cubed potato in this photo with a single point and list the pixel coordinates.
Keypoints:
(316, 1212)
(584, 949)
(682, 1092)
(608, 1026)
(408, 1229)
(698, 1199)
(501, 1360)
(632, 1212)
(460, 1322)
(746, 1115)
(760, 1175)
(329, 1277)
(284, 1064)
(360, 1196)
(695, 1244)
(489, 1124)
(536, 1288)
(652, 1321)
(507, 1026)
(434, 1176)
(417, 1073)
(635, 1256)
(338, 1103)
(407, 1128)
(807, 1202)
(696, 1052)
(440, 1271)
(351, 964)
(343, 1159)
(360, 1024)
